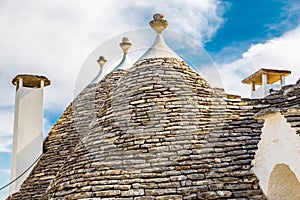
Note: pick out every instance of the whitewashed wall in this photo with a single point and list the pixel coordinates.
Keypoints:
(279, 145)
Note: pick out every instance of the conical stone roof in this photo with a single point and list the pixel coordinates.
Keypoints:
(155, 136)
(154, 131)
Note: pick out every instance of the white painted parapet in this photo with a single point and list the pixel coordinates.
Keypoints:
(277, 160)
(28, 126)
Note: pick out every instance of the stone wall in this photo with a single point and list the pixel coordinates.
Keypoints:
(163, 133)
(62, 138)
(156, 131)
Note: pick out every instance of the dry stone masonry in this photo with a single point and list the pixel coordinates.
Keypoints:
(156, 131)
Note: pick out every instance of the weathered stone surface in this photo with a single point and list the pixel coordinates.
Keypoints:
(156, 131)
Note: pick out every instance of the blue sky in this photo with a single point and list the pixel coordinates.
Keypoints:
(251, 22)
(55, 37)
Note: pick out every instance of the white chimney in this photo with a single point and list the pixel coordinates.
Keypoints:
(28, 126)
(267, 79)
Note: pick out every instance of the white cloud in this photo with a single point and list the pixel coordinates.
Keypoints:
(53, 38)
(6, 118)
(277, 53)
(197, 19)
(5, 144)
(4, 171)
(47, 127)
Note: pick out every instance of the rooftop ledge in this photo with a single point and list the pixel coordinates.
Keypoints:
(269, 111)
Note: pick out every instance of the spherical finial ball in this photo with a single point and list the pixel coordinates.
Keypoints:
(158, 16)
(158, 23)
(125, 45)
(125, 39)
(101, 61)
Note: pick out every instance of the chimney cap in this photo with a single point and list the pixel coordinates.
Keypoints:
(33, 81)
(273, 76)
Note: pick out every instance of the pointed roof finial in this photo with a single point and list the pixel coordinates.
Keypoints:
(125, 63)
(101, 61)
(159, 48)
(158, 23)
(125, 45)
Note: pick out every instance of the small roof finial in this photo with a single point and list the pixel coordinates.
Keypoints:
(101, 61)
(125, 63)
(158, 23)
(159, 48)
(125, 45)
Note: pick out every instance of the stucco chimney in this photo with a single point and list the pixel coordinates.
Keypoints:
(28, 126)
(266, 79)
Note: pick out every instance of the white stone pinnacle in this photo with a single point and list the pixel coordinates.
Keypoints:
(125, 62)
(159, 48)
(101, 61)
